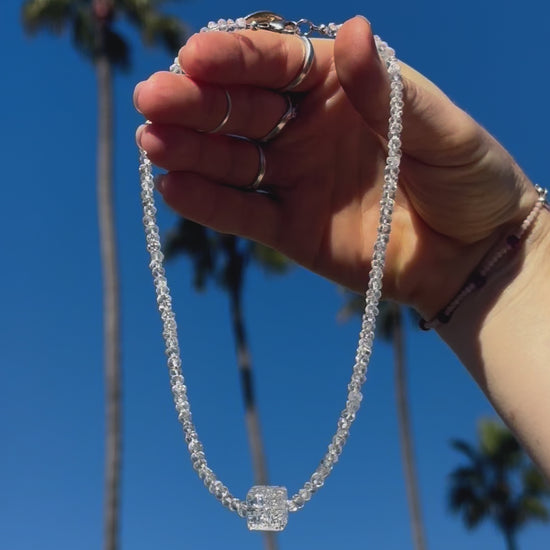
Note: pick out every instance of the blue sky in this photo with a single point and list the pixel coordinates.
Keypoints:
(490, 57)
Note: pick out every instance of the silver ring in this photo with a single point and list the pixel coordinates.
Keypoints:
(307, 63)
(261, 168)
(289, 114)
(225, 118)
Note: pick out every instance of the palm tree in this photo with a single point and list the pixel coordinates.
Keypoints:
(498, 483)
(224, 259)
(92, 26)
(390, 328)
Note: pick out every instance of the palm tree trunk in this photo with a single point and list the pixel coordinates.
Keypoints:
(111, 306)
(511, 543)
(405, 436)
(252, 417)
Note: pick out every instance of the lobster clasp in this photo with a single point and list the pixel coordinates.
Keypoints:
(269, 21)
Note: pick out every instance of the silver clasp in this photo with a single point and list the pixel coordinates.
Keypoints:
(543, 194)
(269, 21)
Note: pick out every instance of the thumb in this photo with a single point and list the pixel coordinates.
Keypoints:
(362, 73)
(435, 131)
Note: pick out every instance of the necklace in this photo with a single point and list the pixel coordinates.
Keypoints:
(266, 508)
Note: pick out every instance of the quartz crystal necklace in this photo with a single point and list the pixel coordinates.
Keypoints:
(266, 508)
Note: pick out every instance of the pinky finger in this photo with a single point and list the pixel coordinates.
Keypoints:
(255, 216)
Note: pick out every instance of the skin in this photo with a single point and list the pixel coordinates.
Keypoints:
(460, 191)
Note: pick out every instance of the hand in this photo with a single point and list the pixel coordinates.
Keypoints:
(459, 188)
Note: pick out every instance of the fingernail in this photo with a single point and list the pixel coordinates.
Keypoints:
(139, 85)
(139, 133)
(160, 180)
(191, 40)
(365, 19)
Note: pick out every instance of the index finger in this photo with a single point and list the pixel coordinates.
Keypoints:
(254, 57)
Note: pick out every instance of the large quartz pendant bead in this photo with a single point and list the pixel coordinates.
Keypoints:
(267, 508)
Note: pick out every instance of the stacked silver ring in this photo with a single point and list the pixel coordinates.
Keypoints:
(225, 119)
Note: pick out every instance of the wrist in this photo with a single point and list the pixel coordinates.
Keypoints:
(459, 270)
(519, 282)
(495, 260)
(510, 297)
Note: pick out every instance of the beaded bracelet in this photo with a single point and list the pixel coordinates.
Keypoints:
(478, 277)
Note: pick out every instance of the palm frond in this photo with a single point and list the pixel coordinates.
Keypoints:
(129, 7)
(156, 28)
(117, 49)
(353, 305)
(53, 15)
(498, 483)
(164, 30)
(534, 483)
(193, 240)
(270, 260)
(83, 33)
(467, 450)
(467, 474)
(498, 443)
(475, 513)
(465, 500)
(531, 507)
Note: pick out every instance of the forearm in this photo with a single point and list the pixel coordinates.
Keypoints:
(502, 336)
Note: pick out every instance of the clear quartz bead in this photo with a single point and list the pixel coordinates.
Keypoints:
(233, 504)
(325, 468)
(174, 362)
(317, 480)
(148, 221)
(198, 461)
(333, 454)
(184, 416)
(242, 508)
(305, 494)
(333, 29)
(348, 415)
(296, 503)
(354, 400)
(207, 476)
(343, 424)
(394, 143)
(267, 508)
(178, 389)
(195, 446)
(219, 490)
(177, 382)
(158, 257)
